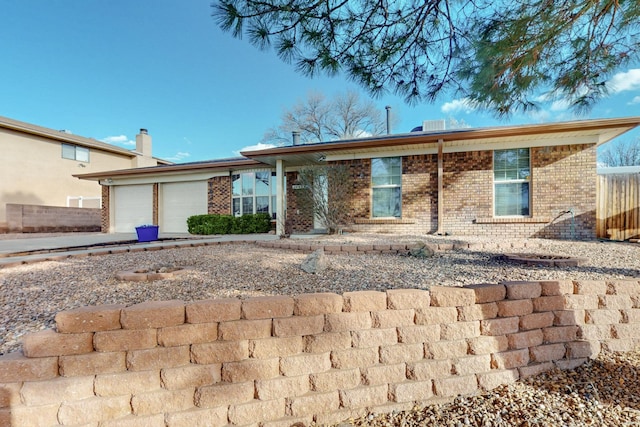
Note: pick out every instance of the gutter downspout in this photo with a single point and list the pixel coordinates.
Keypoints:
(440, 231)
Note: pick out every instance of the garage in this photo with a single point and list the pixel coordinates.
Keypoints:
(133, 207)
(179, 201)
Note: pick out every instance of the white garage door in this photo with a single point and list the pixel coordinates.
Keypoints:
(179, 201)
(133, 207)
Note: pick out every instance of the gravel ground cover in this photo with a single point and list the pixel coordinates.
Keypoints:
(31, 294)
(602, 392)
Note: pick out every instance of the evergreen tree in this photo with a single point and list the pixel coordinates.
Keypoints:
(501, 54)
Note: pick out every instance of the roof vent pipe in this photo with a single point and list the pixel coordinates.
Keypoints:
(388, 108)
(296, 137)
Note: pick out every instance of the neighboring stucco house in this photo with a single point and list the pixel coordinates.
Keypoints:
(516, 181)
(38, 166)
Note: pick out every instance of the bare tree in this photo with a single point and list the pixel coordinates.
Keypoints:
(625, 153)
(325, 192)
(320, 119)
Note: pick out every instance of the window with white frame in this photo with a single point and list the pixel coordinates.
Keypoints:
(253, 192)
(511, 182)
(73, 152)
(84, 202)
(386, 187)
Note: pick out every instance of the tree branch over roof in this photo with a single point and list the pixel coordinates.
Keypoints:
(500, 54)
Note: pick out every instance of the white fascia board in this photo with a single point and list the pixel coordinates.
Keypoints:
(202, 176)
(460, 148)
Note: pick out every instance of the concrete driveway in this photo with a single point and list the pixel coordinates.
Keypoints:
(16, 249)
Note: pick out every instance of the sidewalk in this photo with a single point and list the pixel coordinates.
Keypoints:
(28, 250)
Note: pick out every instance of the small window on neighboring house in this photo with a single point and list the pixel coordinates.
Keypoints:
(386, 187)
(253, 192)
(511, 181)
(74, 152)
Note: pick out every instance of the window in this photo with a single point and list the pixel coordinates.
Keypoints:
(511, 178)
(386, 188)
(84, 202)
(253, 192)
(74, 152)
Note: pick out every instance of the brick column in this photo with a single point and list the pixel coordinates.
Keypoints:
(104, 222)
(155, 203)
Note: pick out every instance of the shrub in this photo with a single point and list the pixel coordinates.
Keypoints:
(228, 224)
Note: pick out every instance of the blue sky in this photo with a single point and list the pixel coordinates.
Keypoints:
(105, 69)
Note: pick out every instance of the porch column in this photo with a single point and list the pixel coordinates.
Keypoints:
(440, 188)
(280, 191)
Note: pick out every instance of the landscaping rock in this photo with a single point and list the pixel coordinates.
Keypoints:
(316, 262)
(421, 250)
(602, 392)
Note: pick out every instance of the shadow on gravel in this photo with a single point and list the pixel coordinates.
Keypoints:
(484, 259)
(610, 380)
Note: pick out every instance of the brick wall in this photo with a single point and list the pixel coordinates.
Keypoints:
(360, 171)
(468, 190)
(566, 179)
(297, 220)
(420, 199)
(563, 179)
(155, 204)
(104, 212)
(314, 357)
(219, 195)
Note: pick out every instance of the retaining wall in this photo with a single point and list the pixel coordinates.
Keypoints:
(276, 361)
(40, 219)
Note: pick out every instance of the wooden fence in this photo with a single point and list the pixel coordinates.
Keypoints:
(618, 210)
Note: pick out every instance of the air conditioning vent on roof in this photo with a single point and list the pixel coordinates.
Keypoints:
(433, 125)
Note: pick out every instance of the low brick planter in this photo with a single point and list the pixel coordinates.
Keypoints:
(148, 275)
(544, 260)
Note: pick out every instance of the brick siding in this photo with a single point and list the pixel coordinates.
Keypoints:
(105, 218)
(219, 195)
(563, 179)
(297, 221)
(155, 203)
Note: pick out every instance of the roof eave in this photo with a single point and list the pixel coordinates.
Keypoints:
(30, 129)
(168, 169)
(281, 153)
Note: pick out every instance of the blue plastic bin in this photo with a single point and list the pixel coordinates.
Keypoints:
(147, 233)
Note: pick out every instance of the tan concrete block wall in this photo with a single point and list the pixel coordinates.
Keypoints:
(40, 219)
(310, 358)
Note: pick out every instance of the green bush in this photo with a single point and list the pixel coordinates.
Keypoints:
(228, 224)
